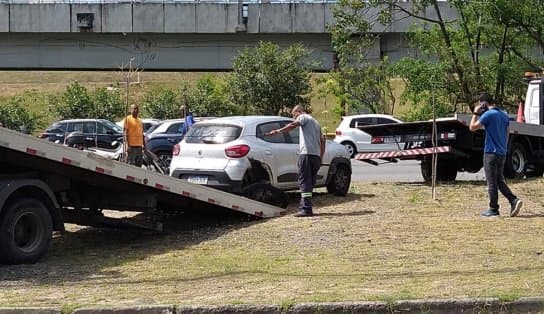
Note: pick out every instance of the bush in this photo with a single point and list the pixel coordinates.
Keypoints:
(73, 104)
(77, 103)
(15, 115)
(162, 103)
(108, 104)
(208, 99)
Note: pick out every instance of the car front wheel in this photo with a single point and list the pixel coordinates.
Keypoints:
(339, 183)
(350, 147)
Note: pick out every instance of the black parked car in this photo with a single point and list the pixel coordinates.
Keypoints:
(86, 132)
(160, 139)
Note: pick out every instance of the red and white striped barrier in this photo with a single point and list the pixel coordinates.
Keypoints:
(403, 153)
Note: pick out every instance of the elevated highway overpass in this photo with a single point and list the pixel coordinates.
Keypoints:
(166, 35)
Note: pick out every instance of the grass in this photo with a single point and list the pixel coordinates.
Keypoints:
(384, 241)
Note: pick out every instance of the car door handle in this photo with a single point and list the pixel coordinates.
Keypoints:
(171, 140)
(267, 152)
(89, 138)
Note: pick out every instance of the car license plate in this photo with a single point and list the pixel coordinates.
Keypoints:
(198, 180)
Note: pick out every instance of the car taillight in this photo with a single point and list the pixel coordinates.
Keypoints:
(338, 132)
(176, 150)
(377, 140)
(43, 135)
(237, 151)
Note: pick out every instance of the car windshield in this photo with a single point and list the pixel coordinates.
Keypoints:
(213, 133)
(56, 127)
(113, 126)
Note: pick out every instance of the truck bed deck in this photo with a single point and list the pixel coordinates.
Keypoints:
(26, 152)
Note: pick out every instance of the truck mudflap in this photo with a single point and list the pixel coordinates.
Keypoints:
(404, 154)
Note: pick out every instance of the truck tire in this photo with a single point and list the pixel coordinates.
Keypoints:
(444, 171)
(339, 183)
(26, 227)
(537, 172)
(516, 161)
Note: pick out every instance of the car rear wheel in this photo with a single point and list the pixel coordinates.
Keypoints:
(339, 183)
(165, 158)
(350, 147)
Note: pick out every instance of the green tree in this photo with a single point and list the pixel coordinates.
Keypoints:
(482, 49)
(363, 80)
(73, 104)
(162, 103)
(208, 98)
(108, 104)
(268, 80)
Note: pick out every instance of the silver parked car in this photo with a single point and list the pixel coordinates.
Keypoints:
(231, 153)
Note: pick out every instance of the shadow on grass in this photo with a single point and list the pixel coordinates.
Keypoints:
(444, 183)
(355, 213)
(89, 253)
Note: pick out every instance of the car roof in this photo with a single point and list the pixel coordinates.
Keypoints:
(370, 115)
(80, 120)
(242, 120)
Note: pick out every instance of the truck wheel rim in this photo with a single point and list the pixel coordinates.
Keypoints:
(518, 161)
(26, 232)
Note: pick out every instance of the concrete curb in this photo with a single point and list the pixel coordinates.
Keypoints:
(443, 306)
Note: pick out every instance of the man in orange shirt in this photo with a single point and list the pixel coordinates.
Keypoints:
(134, 135)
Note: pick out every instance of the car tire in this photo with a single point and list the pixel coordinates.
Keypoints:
(266, 193)
(340, 181)
(165, 158)
(350, 147)
(27, 227)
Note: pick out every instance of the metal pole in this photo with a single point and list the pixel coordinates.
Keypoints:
(434, 140)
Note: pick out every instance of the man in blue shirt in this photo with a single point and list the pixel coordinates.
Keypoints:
(496, 123)
(188, 119)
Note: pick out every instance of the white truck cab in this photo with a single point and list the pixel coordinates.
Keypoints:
(532, 112)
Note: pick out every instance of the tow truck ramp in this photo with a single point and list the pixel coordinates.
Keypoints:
(80, 164)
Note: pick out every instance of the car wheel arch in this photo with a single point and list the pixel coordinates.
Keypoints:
(259, 172)
(334, 165)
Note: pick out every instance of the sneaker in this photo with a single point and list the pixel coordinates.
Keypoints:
(303, 213)
(516, 206)
(490, 213)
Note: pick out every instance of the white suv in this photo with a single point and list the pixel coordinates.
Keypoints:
(231, 153)
(357, 141)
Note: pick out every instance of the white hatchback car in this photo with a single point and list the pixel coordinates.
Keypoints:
(231, 153)
(357, 141)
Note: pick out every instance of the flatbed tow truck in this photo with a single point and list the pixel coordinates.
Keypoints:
(458, 149)
(44, 185)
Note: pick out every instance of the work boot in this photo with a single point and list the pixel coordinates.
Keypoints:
(516, 206)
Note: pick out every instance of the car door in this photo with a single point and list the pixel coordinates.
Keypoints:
(279, 153)
(89, 130)
(105, 136)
